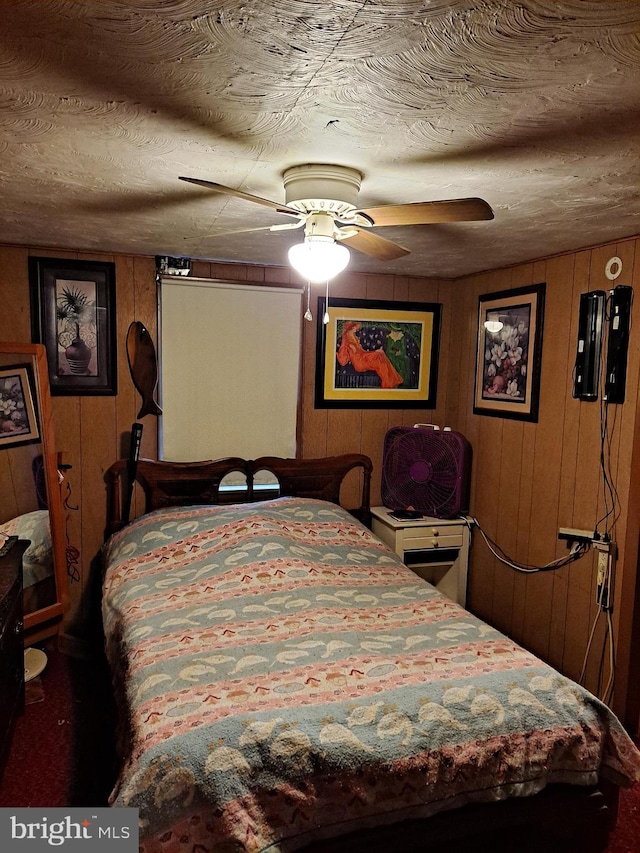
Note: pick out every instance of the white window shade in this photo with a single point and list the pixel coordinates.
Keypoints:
(230, 357)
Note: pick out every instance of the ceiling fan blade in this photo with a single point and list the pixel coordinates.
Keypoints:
(288, 226)
(374, 245)
(220, 188)
(429, 212)
(212, 236)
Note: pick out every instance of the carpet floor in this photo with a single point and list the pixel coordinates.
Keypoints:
(62, 752)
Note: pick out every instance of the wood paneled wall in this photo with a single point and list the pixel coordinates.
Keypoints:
(91, 431)
(531, 479)
(528, 479)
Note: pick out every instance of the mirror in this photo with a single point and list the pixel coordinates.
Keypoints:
(30, 497)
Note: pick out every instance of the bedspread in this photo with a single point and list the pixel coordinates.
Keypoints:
(37, 560)
(287, 679)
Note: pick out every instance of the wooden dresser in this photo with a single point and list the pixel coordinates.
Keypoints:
(11, 644)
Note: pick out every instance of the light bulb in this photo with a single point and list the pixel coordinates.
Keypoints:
(319, 258)
(493, 326)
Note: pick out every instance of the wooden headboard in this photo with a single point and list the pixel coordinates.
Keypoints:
(188, 483)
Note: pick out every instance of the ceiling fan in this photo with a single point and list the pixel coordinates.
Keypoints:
(322, 198)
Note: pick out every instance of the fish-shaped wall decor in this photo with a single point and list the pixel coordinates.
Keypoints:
(143, 367)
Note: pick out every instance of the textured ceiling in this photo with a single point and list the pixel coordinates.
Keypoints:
(532, 106)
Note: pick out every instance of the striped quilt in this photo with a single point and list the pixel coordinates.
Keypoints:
(287, 679)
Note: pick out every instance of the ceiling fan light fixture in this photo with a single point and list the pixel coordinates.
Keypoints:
(319, 258)
(493, 325)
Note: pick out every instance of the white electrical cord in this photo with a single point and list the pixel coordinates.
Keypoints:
(588, 650)
(578, 549)
(607, 694)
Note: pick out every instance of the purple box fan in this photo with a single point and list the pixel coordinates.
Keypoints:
(426, 469)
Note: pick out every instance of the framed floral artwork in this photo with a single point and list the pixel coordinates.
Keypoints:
(509, 353)
(73, 305)
(376, 354)
(18, 420)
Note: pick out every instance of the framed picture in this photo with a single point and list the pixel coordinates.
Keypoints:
(509, 353)
(73, 313)
(18, 421)
(377, 354)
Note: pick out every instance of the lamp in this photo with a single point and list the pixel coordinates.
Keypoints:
(318, 258)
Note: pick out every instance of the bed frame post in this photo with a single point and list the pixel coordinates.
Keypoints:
(114, 517)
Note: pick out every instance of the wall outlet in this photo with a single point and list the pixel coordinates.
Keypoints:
(603, 590)
(603, 562)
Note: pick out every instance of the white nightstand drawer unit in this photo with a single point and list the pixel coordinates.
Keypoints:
(435, 549)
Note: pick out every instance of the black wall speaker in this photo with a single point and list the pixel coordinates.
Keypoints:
(618, 344)
(590, 325)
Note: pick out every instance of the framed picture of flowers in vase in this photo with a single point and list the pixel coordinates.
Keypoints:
(73, 313)
(508, 358)
(18, 420)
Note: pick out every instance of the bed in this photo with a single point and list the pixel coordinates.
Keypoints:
(286, 683)
(38, 574)
(38, 580)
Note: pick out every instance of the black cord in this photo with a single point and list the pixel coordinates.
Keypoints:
(611, 499)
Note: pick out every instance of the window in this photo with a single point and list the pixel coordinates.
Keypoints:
(229, 359)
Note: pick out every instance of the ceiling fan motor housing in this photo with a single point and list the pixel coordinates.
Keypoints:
(320, 187)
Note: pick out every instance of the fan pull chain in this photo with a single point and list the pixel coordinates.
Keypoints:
(325, 319)
(307, 314)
